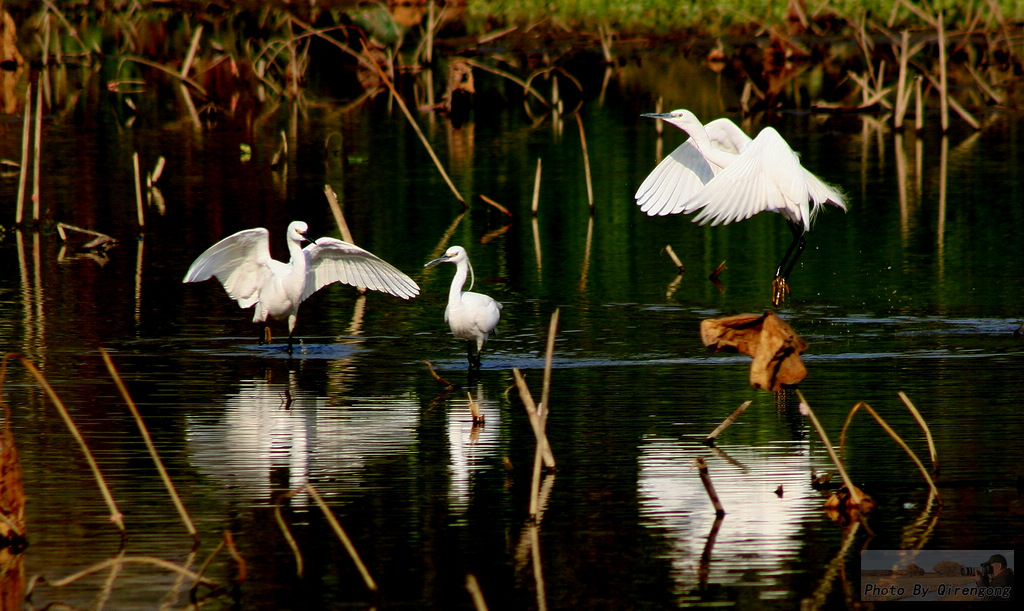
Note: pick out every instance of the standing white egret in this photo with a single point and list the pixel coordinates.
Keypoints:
(471, 316)
(242, 263)
(730, 177)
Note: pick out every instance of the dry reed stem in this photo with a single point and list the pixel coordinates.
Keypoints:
(187, 64)
(149, 444)
(924, 425)
(490, 201)
(717, 272)
(675, 259)
(207, 562)
(536, 190)
(37, 153)
(805, 408)
(340, 532)
(943, 84)
(148, 560)
(705, 478)
(115, 515)
(138, 192)
(473, 586)
(229, 541)
(586, 163)
(23, 172)
(952, 103)
(710, 439)
(918, 103)
(339, 218)
(535, 422)
(412, 121)
(71, 29)
(158, 171)
(899, 440)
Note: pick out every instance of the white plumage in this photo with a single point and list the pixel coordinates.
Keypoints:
(726, 176)
(242, 263)
(471, 316)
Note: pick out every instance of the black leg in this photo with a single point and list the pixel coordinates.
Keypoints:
(796, 248)
(474, 358)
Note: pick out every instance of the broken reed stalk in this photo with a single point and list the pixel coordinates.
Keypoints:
(473, 587)
(536, 190)
(899, 440)
(340, 532)
(138, 192)
(37, 154)
(924, 425)
(710, 439)
(149, 445)
(430, 368)
(23, 171)
(675, 259)
(805, 409)
(115, 515)
(412, 121)
(918, 104)
(586, 163)
(474, 410)
(705, 478)
(943, 85)
(187, 64)
(339, 218)
(491, 202)
(535, 422)
(548, 356)
(229, 542)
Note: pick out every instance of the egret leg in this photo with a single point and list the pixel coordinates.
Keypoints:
(779, 286)
(474, 357)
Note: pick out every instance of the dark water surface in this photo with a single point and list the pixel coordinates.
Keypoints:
(916, 289)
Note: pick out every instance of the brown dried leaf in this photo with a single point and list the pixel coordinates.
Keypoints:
(774, 346)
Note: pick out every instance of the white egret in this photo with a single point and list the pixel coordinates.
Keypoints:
(471, 316)
(729, 177)
(242, 263)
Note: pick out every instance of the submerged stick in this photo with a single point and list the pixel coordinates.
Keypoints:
(532, 413)
(340, 532)
(23, 172)
(586, 163)
(474, 410)
(120, 561)
(279, 518)
(705, 478)
(149, 445)
(490, 201)
(115, 516)
(710, 439)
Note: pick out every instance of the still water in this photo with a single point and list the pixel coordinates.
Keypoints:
(916, 289)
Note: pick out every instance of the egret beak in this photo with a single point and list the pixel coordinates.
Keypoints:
(440, 259)
(657, 115)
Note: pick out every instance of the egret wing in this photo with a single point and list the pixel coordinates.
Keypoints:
(239, 262)
(766, 175)
(329, 260)
(685, 172)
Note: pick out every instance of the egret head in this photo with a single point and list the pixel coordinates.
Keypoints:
(679, 117)
(456, 255)
(297, 231)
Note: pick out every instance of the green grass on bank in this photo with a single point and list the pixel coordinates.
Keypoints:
(716, 16)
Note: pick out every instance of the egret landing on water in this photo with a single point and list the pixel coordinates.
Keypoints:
(471, 316)
(242, 263)
(728, 177)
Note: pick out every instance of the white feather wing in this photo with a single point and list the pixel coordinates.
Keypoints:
(239, 262)
(329, 260)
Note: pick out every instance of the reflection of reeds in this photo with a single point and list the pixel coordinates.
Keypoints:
(899, 440)
(149, 444)
(115, 515)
